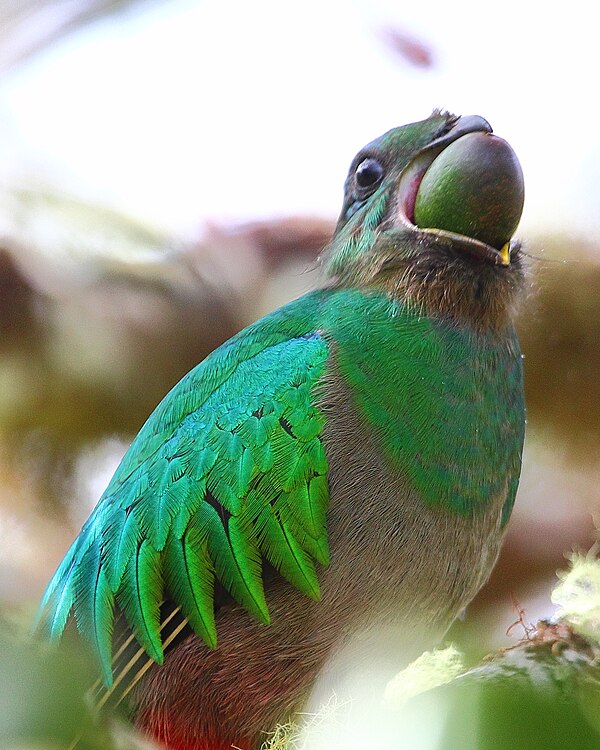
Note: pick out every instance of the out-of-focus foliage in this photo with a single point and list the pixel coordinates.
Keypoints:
(529, 697)
(536, 696)
(541, 694)
(43, 695)
(578, 597)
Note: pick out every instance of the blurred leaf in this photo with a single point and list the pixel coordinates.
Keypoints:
(43, 695)
(532, 696)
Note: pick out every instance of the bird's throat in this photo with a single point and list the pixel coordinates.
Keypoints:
(444, 402)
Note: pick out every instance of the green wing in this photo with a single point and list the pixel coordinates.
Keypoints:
(229, 470)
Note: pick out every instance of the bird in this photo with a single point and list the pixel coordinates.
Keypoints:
(341, 468)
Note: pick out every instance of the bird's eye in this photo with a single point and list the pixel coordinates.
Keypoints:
(368, 173)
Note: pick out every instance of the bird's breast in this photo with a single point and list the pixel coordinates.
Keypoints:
(401, 569)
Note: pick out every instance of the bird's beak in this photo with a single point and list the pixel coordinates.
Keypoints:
(410, 180)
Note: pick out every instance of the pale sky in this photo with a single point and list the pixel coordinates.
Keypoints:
(232, 110)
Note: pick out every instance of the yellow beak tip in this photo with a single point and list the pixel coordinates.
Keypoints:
(505, 255)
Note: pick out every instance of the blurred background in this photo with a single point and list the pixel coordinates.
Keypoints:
(170, 170)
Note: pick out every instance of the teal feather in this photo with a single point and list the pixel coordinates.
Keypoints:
(313, 514)
(122, 536)
(221, 485)
(59, 599)
(95, 607)
(316, 546)
(188, 508)
(236, 561)
(140, 596)
(182, 506)
(252, 432)
(201, 461)
(263, 457)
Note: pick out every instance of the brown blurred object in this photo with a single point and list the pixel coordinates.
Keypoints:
(91, 341)
(106, 343)
(16, 302)
(407, 46)
(560, 336)
(278, 240)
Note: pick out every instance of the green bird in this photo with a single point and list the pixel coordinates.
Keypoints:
(342, 468)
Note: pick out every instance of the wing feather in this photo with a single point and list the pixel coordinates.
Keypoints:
(189, 576)
(229, 470)
(95, 607)
(140, 596)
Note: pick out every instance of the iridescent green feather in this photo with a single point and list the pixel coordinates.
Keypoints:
(95, 611)
(209, 488)
(139, 596)
(433, 391)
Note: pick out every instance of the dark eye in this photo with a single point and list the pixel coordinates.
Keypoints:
(368, 173)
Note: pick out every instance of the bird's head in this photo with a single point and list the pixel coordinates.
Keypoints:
(429, 212)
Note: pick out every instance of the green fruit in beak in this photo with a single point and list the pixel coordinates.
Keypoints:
(474, 188)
